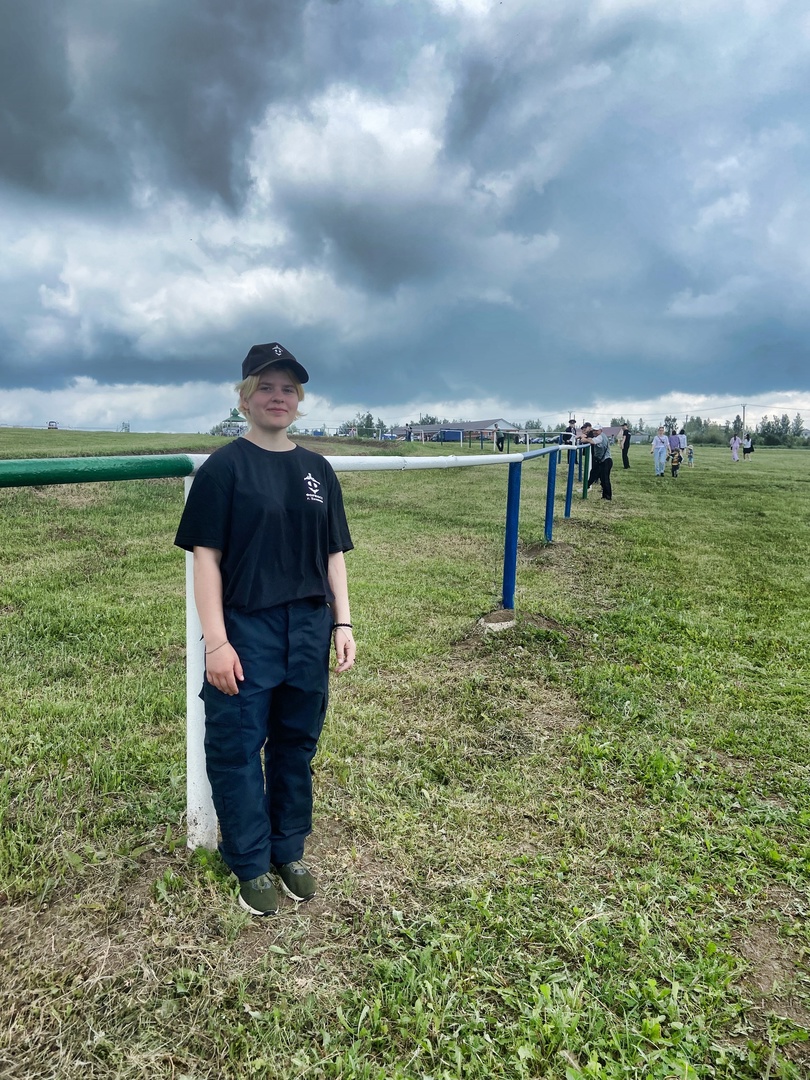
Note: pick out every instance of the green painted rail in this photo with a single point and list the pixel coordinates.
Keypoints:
(31, 472)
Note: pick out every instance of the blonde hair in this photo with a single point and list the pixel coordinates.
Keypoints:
(248, 387)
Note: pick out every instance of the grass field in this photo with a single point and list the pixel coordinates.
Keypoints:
(578, 849)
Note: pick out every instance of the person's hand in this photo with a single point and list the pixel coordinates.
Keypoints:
(345, 649)
(223, 669)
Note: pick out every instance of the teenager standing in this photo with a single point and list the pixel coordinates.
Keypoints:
(266, 525)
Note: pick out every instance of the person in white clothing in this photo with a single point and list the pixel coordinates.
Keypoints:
(660, 448)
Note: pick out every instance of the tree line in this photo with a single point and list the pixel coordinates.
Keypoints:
(770, 431)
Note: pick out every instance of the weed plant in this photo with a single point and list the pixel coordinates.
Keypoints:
(576, 849)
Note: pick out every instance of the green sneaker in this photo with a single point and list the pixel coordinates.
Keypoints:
(259, 896)
(296, 880)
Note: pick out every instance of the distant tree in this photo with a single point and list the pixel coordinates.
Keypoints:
(533, 425)
(694, 426)
(670, 422)
(381, 427)
(365, 425)
(736, 427)
(362, 425)
(216, 430)
(617, 421)
(428, 419)
(768, 431)
(796, 427)
(641, 423)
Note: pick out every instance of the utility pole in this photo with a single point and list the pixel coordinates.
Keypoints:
(743, 430)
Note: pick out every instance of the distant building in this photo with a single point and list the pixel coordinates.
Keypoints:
(234, 425)
(432, 432)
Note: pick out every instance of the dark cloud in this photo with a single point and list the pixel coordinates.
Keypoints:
(47, 147)
(412, 194)
(375, 245)
(100, 97)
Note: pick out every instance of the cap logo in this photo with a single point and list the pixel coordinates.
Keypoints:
(277, 349)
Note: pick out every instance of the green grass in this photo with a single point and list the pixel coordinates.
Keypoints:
(576, 849)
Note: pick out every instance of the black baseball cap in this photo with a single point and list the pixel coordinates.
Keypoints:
(261, 356)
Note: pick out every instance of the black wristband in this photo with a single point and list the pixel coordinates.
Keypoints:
(346, 625)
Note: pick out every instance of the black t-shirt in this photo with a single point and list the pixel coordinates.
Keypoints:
(276, 516)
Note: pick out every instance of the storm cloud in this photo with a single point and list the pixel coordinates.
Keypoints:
(545, 206)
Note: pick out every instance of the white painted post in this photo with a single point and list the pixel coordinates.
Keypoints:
(201, 819)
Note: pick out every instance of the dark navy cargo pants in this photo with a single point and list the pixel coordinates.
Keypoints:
(259, 744)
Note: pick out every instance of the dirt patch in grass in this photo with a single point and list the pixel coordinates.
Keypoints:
(545, 551)
(525, 712)
(103, 934)
(772, 969)
(545, 623)
(70, 495)
(773, 982)
(472, 640)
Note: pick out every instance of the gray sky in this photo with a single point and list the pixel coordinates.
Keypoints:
(458, 206)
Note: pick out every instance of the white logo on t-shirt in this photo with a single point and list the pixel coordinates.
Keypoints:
(312, 488)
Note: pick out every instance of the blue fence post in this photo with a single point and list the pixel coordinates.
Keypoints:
(569, 487)
(511, 539)
(553, 459)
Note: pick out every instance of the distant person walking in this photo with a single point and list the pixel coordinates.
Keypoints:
(674, 440)
(682, 440)
(735, 447)
(497, 437)
(690, 456)
(408, 433)
(660, 449)
(625, 438)
(748, 446)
